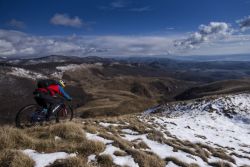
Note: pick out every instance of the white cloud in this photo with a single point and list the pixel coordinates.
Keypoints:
(206, 33)
(125, 5)
(18, 43)
(6, 48)
(28, 51)
(66, 20)
(16, 24)
(208, 38)
(118, 4)
(244, 23)
(141, 9)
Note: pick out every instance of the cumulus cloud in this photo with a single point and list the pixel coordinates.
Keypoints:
(16, 24)
(66, 20)
(16, 43)
(6, 48)
(206, 33)
(244, 23)
(134, 45)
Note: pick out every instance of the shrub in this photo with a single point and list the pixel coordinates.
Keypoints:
(70, 162)
(12, 158)
(105, 160)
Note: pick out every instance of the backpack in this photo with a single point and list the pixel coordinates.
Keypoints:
(44, 83)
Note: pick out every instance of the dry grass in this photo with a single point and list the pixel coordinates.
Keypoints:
(68, 131)
(217, 152)
(180, 163)
(91, 128)
(141, 145)
(178, 144)
(223, 155)
(196, 149)
(14, 138)
(73, 139)
(142, 158)
(70, 162)
(220, 164)
(120, 153)
(156, 136)
(146, 160)
(105, 160)
(185, 146)
(42, 139)
(136, 125)
(240, 156)
(13, 158)
(90, 147)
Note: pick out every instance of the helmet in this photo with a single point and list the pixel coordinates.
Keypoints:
(62, 83)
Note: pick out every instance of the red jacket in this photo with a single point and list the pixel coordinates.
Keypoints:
(55, 89)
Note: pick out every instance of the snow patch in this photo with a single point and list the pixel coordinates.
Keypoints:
(119, 160)
(44, 159)
(20, 72)
(164, 150)
(95, 137)
(105, 124)
(129, 131)
(91, 157)
(57, 138)
(221, 122)
(72, 67)
(171, 164)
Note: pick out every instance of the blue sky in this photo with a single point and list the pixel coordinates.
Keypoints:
(180, 23)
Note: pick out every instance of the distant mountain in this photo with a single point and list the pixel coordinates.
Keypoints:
(216, 88)
(59, 59)
(107, 85)
(204, 58)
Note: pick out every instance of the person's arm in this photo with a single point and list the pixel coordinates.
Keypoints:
(64, 93)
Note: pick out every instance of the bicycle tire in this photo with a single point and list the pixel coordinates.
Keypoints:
(70, 113)
(19, 120)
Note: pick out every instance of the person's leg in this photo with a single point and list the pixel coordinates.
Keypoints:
(56, 102)
(41, 102)
(53, 104)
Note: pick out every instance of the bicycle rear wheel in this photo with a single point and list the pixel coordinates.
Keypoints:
(65, 113)
(25, 115)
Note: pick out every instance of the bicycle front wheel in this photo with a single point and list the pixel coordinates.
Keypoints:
(65, 113)
(25, 115)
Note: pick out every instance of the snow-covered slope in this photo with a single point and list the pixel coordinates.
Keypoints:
(209, 132)
(219, 122)
(23, 73)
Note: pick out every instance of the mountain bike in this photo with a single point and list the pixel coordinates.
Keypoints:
(33, 114)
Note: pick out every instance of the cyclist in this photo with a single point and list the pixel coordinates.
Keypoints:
(46, 95)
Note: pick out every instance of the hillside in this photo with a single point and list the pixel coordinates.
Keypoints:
(112, 87)
(99, 87)
(215, 88)
(206, 132)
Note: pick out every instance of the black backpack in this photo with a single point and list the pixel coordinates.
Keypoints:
(44, 83)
